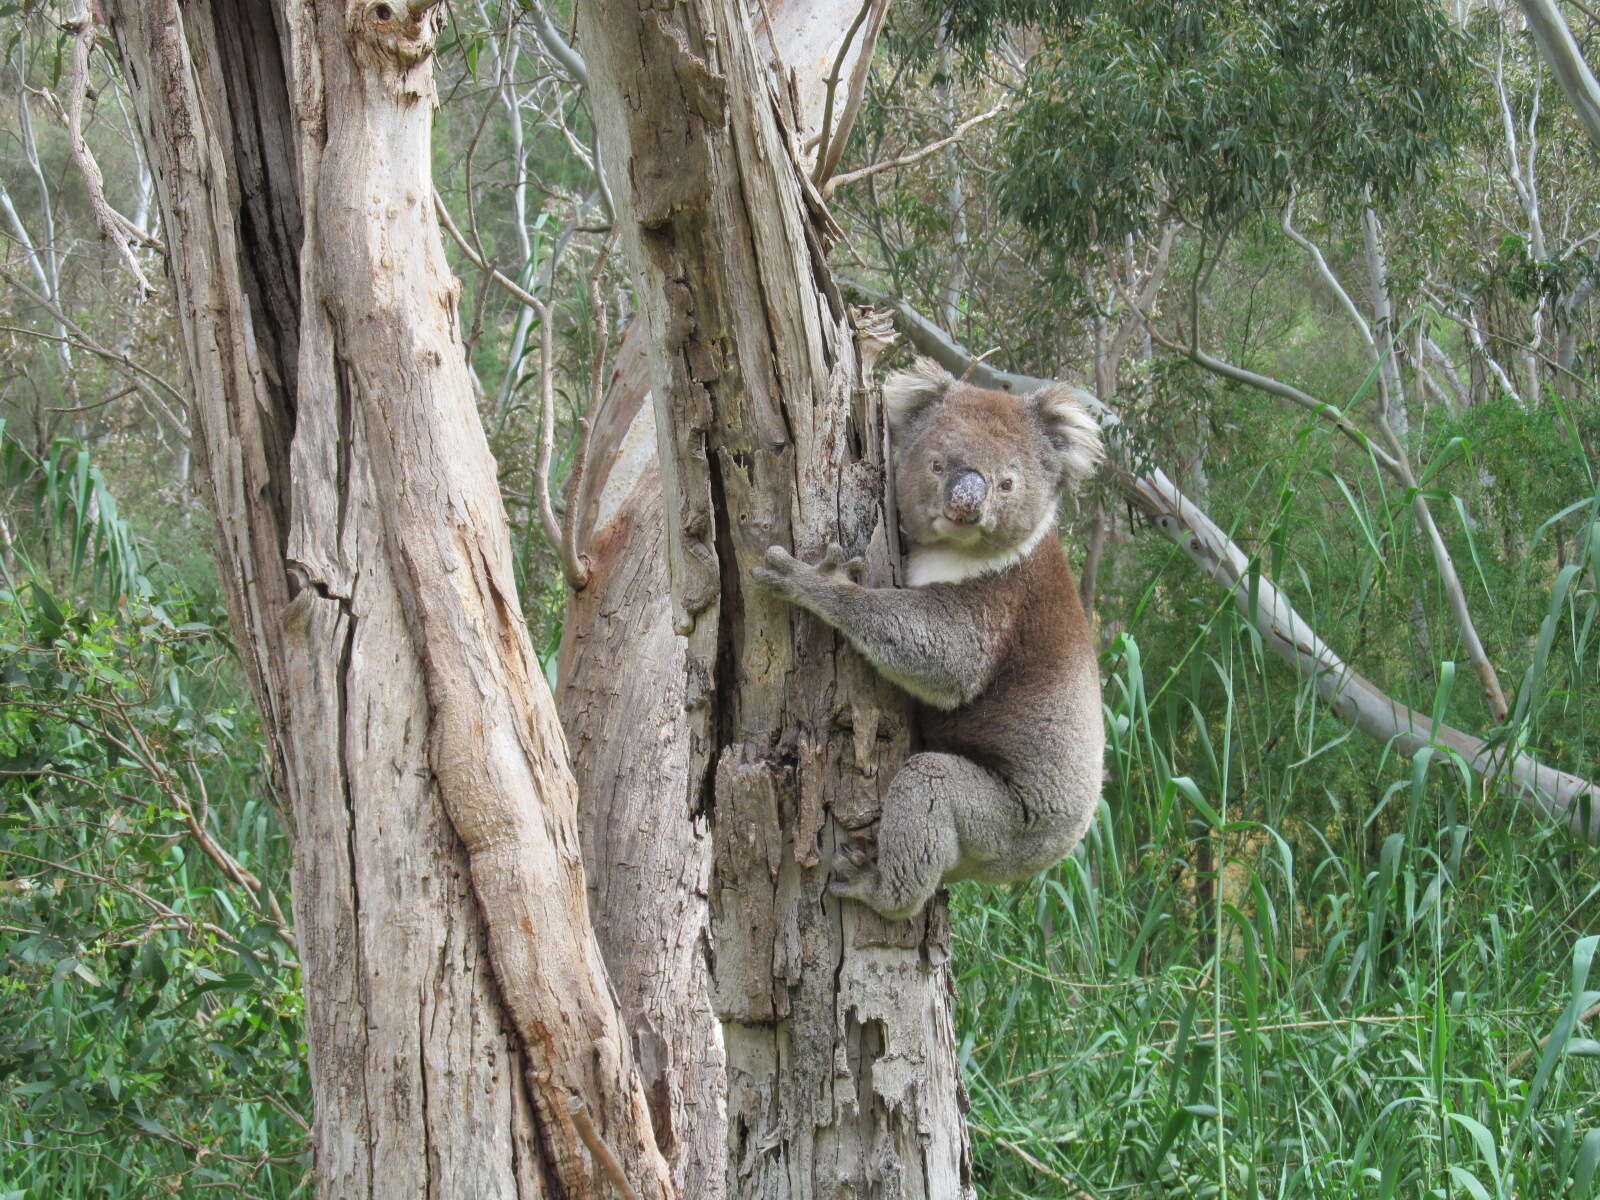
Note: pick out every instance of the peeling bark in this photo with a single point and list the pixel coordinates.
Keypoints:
(840, 1056)
(622, 673)
(366, 562)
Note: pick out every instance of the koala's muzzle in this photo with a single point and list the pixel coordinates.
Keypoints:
(964, 496)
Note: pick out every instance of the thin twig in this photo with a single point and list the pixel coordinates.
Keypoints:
(905, 160)
(478, 260)
(82, 339)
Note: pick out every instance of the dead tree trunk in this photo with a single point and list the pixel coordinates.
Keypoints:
(366, 562)
(840, 1055)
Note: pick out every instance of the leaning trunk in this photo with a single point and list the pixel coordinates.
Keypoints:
(462, 1037)
(840, 1055)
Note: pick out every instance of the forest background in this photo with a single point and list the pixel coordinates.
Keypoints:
(1331, 265)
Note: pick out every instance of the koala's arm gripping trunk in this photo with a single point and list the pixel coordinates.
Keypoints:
(924, 640)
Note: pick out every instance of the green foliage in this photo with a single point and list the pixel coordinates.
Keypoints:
(1154, 108)
(150, 1030)
(61, 504)
(1287, 962)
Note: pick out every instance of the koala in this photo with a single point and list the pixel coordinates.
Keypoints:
(988, 637)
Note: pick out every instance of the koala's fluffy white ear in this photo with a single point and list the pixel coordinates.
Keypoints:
(1071, 432)
(909, 394)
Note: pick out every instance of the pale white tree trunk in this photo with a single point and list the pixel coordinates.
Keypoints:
(463, 1039)
(840, 1056)
(1560, 51)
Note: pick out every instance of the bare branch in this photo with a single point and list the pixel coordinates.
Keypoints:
(557, 46)
(75, 336)
(830, 147)
(478, 260)
(915, 156)
(1286, 219)
(116, 228)
(564, 543)
(1154, 276)
(1286, 391)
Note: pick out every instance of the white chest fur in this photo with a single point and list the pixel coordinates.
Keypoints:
(950, 564)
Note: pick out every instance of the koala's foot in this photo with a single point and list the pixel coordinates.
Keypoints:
(835, 564)
(853, 872)
(855, 876)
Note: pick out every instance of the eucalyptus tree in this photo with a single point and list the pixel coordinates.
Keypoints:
(841, 1076)
(463, 1037)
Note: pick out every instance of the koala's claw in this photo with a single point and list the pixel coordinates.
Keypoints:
(835, 563)
(780, 561)
(853, 873)
(778, 571)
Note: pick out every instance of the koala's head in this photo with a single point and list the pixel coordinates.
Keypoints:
(980, 470)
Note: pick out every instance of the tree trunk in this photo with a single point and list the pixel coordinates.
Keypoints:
(647, 850)
(622, 672)
(366, 563)
(840, 1054)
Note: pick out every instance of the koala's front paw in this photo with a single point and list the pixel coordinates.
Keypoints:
(835, 565)
(781, 573)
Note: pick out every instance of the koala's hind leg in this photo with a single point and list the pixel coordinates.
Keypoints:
(918, 842)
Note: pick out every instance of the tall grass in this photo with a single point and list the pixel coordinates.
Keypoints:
(1288, 963)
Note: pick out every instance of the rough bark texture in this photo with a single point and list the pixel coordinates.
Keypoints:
(647, 845)
(365, 558)
(841, 1070)
(647, 850)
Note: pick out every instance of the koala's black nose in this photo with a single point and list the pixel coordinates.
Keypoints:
(963, 498)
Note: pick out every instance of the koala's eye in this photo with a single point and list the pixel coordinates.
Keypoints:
(1007, 484)
(936, 467)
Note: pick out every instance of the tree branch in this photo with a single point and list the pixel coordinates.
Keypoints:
(116, 228)
(1561, 53)
(833, 184)
(563, 542)
(1289, 392)
(830, 147)
(75, 336)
